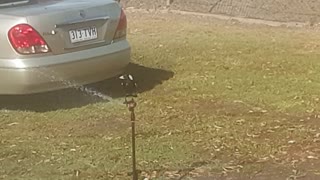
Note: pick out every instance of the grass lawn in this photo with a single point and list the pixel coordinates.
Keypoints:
(216, 98)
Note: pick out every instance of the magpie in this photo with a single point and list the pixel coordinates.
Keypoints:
(129, 85)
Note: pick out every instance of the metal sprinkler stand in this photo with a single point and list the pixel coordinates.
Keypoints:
(130, 87)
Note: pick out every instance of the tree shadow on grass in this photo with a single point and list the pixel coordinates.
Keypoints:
(146, 77)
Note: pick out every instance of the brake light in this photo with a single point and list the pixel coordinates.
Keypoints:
(122, 26)
(26, 40)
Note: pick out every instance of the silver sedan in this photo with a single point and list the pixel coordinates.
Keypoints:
(44, 43)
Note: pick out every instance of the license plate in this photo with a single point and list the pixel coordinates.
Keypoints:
(84, 34)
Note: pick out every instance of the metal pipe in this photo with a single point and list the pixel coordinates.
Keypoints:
(133, 135)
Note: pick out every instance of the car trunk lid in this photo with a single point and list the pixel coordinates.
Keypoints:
(71, 25)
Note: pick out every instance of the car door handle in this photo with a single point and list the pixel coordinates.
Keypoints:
(82, 21)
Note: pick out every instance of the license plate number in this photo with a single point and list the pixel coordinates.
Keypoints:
(84, 34)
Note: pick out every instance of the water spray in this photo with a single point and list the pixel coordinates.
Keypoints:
(130, 87)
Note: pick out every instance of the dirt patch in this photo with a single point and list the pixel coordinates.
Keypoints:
(274, 10)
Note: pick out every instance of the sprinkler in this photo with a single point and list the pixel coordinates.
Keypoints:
(130, 87)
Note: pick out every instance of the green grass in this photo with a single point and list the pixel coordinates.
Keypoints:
(213, 95)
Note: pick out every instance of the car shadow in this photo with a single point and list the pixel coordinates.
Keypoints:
(146, 77)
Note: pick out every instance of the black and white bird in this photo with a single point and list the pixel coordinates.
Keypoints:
(129, 85)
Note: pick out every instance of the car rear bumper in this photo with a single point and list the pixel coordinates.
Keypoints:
(66, 70)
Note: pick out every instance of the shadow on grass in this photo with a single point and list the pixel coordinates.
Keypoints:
(146, 77)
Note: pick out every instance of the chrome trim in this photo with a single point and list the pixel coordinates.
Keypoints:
(82, 21)
(14, 3)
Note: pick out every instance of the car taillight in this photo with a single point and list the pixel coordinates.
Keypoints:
(122, 26)
(26, 40)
